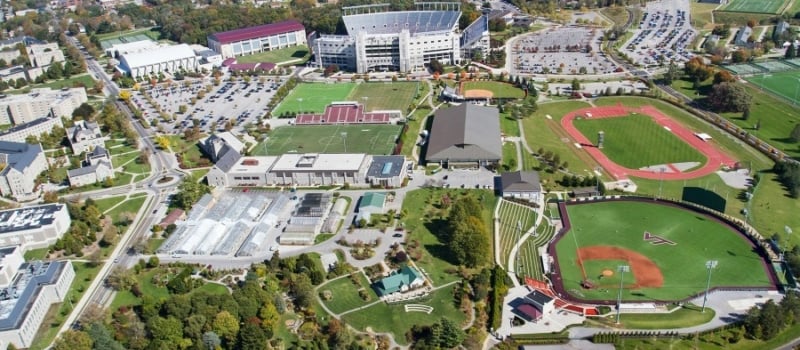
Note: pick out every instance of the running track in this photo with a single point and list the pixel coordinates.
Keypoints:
(715, 158)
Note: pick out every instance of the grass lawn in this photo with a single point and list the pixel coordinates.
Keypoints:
(637, 141)
(530, 261)
(74, 81)
(126, 298)
(313, 97)
(498, 89)
(547, 134)
(345, 294)
(371, 139)
(508, 125)
(618, 15)
(777, 117)
(697, 239)
(104, 204)
(132, 205)
(137, 168)
(424, 218)
(282, 332)
(382, 317)
(322, 237)
(385, 96)
(754, 6)
(277, 56)
(510, 160)
(118, 160)
(686, 316)
(701, 13)
(53, 321)
(412, 135)
(36, 254)
(713, 341)
(188, 152)
(199, 174)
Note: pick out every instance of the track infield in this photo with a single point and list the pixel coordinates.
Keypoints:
(714, 157)
(666, 247)
(376, 139)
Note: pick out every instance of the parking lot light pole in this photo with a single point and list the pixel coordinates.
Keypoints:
(622, 270)
(710, 265)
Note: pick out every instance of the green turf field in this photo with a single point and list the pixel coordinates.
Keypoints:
(754, 6)
(313, 97)
(500, 90)
(783, 84)
(698, 239)
(295, 55)
(637, 141)
(370, 139)
(385, 96)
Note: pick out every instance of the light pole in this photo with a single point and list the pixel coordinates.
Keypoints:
(365, 98)
(796, 89)
(519, 246)
(622, 270)
(300, 100)
(710, 265)
(661, 181)
(344, 140)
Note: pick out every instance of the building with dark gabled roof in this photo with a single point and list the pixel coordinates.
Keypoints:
(20, 165)
(521, 184)
(465, 136)
(250, 40)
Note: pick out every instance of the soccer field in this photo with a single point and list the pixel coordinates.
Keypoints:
(784, 84)
(312, 98)
(385, 96)
(364, 138)
(694, 238)
(636, 141)
(755, 6)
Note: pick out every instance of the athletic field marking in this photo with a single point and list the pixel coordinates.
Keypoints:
(656, 240)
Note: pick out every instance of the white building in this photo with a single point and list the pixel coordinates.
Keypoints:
(40, 103)
(33, 227)
(314, 169)
(168, 59)
(85, 136)
(36, 128)
(23, 163)
(119, 49)
(25, 301)
(39, 54)
(250, 40)
(96, 167)
(399, 41)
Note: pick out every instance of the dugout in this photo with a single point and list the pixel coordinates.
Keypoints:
(584, 192)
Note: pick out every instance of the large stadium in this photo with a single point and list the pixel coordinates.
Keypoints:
(380, 40)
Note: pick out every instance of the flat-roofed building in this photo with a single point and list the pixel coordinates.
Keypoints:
(22, 163)
(314, 169)
(33, 227)
(170, 59)
(38, 127)
(465, 136)
(387, 171)
(40, 103)
(250, 40)
(235, 170)
(25, 301)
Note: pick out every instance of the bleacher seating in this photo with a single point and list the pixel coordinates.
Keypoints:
(393, 22)
(344, 114)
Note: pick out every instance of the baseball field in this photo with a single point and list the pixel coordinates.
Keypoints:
(636, 141)
(494, 88)
(665, 247)
(369, 139)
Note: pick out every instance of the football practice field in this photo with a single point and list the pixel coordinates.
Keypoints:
(666, 247)
(375, 139)
(754, 6)
(313, 97)
(783, 84)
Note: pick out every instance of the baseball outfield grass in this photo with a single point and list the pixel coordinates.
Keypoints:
(696, 239)
(637, 141)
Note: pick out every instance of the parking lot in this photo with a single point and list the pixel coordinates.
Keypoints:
(240, 102)
(663, 34)
(561, 50)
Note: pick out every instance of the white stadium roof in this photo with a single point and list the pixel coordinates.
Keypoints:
(158, 55)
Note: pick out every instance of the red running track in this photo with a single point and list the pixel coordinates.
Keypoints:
(714, 157)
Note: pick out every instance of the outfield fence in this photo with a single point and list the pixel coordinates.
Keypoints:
(736, 224)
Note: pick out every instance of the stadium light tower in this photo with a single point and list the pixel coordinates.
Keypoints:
(622, 270)
(300, 100)
(366, 99)
(710, 265)
(344, 140)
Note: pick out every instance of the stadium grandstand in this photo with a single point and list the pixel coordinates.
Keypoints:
(346, 113)
(250, 40)
(380, 40)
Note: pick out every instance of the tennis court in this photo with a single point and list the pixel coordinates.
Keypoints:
(369, 139)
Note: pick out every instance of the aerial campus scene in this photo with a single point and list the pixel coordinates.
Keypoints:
(399, 175)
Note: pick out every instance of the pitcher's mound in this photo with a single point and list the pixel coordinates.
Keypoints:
(607, 273)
